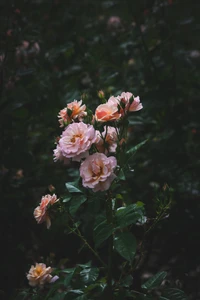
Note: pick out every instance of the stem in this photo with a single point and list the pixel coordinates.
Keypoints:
(78, 233)
(109, 214)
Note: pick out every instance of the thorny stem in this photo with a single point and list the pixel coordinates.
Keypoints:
(78, 233)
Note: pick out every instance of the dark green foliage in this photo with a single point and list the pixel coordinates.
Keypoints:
(154, 53)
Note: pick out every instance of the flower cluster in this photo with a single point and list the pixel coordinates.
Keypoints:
(117, 107)
(91, 147)
(41, 213)
(39, 275)
(94, 144)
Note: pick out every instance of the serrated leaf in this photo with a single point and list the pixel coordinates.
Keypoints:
(89, 275)
(128, 215)
(154, 281)
(173, 294)
(125, 245)
(76, 202)
(102, 232)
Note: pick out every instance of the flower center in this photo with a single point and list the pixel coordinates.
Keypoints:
(38, 270)
(73, 139)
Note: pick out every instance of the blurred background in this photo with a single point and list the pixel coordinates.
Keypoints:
(52, 52)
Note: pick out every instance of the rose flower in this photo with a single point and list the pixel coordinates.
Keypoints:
(74, 110)
(76, 140)
(97, 171)
(39, 274)
(41, 212)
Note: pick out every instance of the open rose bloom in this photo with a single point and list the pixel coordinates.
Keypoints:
(108, 111)
(41, 212)
(97, 171)
(74, 111)
(39, 275)
(75, 141)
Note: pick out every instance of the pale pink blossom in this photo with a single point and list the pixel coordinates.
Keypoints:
(57, 153)
(39, 274)
(76, 140)
(107, 141)
(74, 110)
(97, 171)
(128, 104)
(108, 111)
(41, 212)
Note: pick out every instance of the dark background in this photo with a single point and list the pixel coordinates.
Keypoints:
(52, 52)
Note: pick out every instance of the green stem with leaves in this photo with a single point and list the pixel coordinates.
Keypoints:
(78, 233)
(109, 214)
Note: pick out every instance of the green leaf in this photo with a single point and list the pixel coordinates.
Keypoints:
(68, 279)
(127, 281)
(173, 294)
(133, 150)
(76, 202)
(68, 271)
(89, 275)
(82, 297)
(102, 231)
(67, 199)
(121, 175)
(128, 215)
(87, 265)
(125, 245)
(73, 187)
(155, 281)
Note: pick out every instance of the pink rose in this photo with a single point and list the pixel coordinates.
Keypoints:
(74, 110)
(76, 140)
(41, 212)
(124, 100)
(57, 153)
(110, 137)
(97, 171)
(108, 111)
(40, 274)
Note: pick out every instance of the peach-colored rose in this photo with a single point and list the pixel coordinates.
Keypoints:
(74, 110)
(40, 274)
(110, 137)
(76, 140)
(124, 100)
(41, 212)
(97, 171)
(108, 111)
